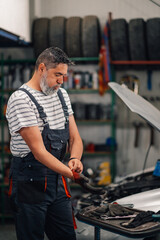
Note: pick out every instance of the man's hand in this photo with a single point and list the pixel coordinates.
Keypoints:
(76, 165)
(84, 182)
(79, 178)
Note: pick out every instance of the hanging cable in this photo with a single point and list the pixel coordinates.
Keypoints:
(145, 161)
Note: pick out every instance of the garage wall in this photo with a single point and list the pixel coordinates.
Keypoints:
(129, 157)
(120, 8)
(14, 17)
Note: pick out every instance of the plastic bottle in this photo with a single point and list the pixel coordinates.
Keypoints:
(26, 73)
(70, 79)
(17, 78)
(5, 79)
(86, 79)
(10, 77)
(77, 80)
(95, 80)
(65, 82)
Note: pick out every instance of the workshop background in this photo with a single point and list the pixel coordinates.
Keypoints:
(115, 139)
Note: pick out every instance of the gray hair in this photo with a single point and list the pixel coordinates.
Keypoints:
(51, 57)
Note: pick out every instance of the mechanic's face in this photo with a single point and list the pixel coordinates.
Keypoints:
(52, 79)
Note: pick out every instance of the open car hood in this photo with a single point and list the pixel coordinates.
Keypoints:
(148, 200)
(137, 104)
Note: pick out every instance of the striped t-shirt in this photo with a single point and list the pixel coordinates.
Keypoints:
(22, 112)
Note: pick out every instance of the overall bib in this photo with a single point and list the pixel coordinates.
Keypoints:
(39, 196)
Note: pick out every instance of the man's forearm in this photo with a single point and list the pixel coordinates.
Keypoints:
(76, 148)
(53, 163)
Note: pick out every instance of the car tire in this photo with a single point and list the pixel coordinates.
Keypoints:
(119, 39)
(153, 38)
(90, 36)
(40, 35)
(73, 37)
(119, 42)
(137, 41)
(56, 32)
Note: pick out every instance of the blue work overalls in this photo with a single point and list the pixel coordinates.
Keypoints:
(39, 196)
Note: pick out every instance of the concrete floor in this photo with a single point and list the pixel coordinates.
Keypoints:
(84, 232)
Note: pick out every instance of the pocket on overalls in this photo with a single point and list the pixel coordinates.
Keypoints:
(31, 191)
(56, 145)
(55, 149)
(31, 182)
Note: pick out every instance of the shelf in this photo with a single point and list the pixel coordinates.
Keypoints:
(83, 59)
(93, 154)
(85, 91)
(18, 61)
(135, 62)
(70, 91)
(81, 91)
(32, 61)
(96, 154)
(9, 39)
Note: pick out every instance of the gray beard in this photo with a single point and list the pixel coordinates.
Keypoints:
(45, 88)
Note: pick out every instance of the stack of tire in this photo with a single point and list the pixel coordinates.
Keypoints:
(76, 36)
(137, 40)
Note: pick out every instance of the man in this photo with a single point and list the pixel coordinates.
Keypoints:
(41, 123)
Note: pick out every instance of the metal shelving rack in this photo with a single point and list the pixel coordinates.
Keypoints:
(131, 62)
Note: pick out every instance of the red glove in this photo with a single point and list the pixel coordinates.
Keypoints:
(79, 178)
(83, 181)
